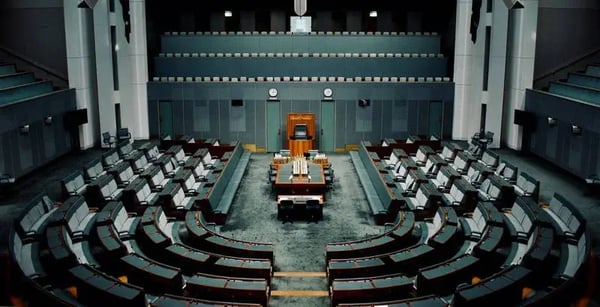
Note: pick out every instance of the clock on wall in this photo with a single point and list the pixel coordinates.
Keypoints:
(272, 92)
(327, 92)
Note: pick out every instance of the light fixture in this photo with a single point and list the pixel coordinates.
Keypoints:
(48, 120)
(552, 121)
(228, 14)
(24, 129)
(576, 130)
(373, 14)
(116, 47)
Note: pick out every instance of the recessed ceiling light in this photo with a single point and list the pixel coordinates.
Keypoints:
(373, 14)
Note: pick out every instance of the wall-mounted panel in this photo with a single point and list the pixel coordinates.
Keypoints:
(557, 144)
(299, 66)
(300, 43)
(204, 109)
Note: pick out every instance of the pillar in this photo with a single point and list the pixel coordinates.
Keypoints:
(81, 68)
(520, 66)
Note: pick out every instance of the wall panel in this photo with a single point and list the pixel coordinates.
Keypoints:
(410, 117)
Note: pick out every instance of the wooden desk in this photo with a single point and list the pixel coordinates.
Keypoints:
(299, 147)
(311, 184)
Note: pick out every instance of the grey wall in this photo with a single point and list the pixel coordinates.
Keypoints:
(566, 31)
(36, 31)
(576, 154)
(301, 43)
(397, 109)
(299, 66)
(20, 154)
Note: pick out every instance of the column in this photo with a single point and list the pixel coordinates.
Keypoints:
(134, 75)
(496, 75)
(80, 67)
(104, 70)
(520, 65)
(463, 56)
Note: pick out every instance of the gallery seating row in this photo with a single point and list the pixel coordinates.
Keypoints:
(241, 79)
(370, 289)
(201, 236)
(397, 236)
(441, 232)
(116, 174)
(297, 54)
(291, 33)
(427, 300)
(25, 91)
(169, 300)
(12, 78)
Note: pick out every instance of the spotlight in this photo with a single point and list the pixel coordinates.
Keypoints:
(552, 121)
(228, 14)
(373, 14)
(576, 130)
(48, 120)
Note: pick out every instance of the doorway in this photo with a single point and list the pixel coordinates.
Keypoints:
(327, 125)
(273, 126)
(165, 118)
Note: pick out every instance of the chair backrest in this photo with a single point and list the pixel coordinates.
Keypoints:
(106, 138)
(123, 133)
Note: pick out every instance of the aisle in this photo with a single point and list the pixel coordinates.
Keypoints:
(300, 245)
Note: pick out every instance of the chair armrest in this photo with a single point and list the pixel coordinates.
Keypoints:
(428, 219)
(506, 210)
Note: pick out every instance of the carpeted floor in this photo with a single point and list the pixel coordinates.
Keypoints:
(300, 245)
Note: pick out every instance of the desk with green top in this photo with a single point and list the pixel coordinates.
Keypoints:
(311, 184)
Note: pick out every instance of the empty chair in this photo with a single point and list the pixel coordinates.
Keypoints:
(168, 165)
(176, 151)
(422, 154)
(173, 197)
(527, 186)
(93, 169)
(433, 165)
(34, 217)
(285, 209)
(449, 152)
(401, 169)
(103, 189)
(494, 188)
(125, 149)
(507, 171)
(462, 162)
(187, 181)
(477, 173)
(445, 178)
(427, 196)
(74, 184)
(413, 180)
(123, 174)
(138, 193)
(462, 194)
(567, 220)
(490, 159)
(155, 177)
(108, 139)
(151, 151)
(110, 158)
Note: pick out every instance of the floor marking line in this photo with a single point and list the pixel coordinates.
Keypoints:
(299, 274)
(299, 293)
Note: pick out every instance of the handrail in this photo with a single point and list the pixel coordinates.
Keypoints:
(41, 67)
(570, 63)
